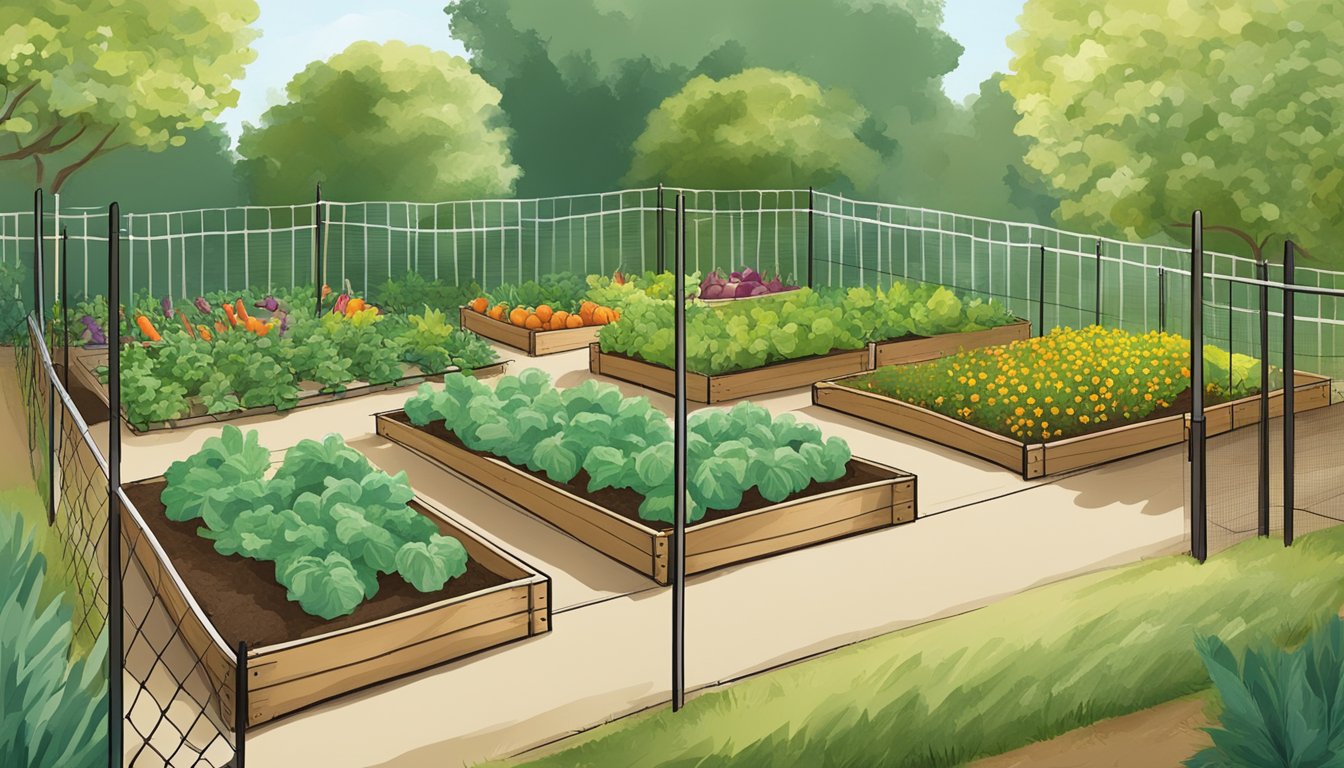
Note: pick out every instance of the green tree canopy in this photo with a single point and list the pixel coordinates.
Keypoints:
(381, 122)
(1143, 110)
(756, 129)
(580, 78)
(81, 79)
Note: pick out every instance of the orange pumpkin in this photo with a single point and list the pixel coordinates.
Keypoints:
(532, 322)
(544, 313)
(601, 316)
(497, 312)
(479, 304)
(518, 316)
(574, 321)
(559, 319)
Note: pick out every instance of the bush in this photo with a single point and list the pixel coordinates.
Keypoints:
(1280, 708)
(55, 708)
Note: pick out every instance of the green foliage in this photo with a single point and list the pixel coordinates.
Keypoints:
(1280, 708)
(562, 291)
(85, 78)
(1236, 112)
(417, 110)
(579, 79)
(329, 521)
(413, 293)
(623, 442)
(13, 308)
(803, 323)
(55, 705)
(430, 342)
(759, 129)
(1022, 670)
(604, 292)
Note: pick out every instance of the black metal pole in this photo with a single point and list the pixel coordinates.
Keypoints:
(65, 306)
(679, 470)
(1161, 300)
(661, 244)
(38, 288)
(317, 250)
(240, 707)
(114, 597)
(1289, 395)
(1262, 274)
(811, 208)
(1098, 299)
(1199, 545)
(1040, 295)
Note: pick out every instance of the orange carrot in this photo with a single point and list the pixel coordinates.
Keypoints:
(205, 333)
(228, 312)
(147, 328)
(190, 331)
(219, 327)
(240, 311)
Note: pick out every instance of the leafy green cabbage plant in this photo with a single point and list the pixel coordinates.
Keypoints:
(623, 442)
(329, 521)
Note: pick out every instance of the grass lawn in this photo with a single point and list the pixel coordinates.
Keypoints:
(1028, 668)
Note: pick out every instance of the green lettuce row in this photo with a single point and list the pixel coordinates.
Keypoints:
(804, 323)
(327, 519)
(623, 442)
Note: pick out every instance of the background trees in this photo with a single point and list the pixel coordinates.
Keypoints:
(381, 122)
(1140, 112)
(81, 79)
(757, 129)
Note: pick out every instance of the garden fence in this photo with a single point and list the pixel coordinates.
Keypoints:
(1047, 275)
(174, 704)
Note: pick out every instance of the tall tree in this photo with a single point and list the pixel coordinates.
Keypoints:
(81, 79)
(381, 122)
(579, 79)
(758, 128)
(1143, 110)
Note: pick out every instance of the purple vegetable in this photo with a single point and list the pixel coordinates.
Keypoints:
(284, 323)
(96, 335)
(202, 305)
(775, 286)
(713, 292)
(750, 275)
(759, 290)
(167, 305)
(735, 277)
(743, 290)
(269, 304)
(341, 301)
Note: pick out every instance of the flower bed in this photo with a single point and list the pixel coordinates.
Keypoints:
(599, 466)
(335, 585)
(1068, 400)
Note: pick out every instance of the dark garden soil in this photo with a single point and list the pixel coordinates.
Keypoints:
(625, 502)
(243, 600)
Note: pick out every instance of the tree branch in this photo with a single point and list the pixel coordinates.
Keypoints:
(65, 172)
(39, 145)
(41, 169)
(9, 110)
(58, 146)
(1246, 238)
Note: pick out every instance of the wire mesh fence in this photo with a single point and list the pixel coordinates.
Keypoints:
(178, 711)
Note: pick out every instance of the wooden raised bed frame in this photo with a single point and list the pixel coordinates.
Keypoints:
(290, 676)
(767, 531)
(791, 374)
(1033, 460)
(83, 362)
(533, 342)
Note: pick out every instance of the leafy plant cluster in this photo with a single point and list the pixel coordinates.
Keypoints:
(1063, 384)
(623, 442)
(237, 370)
(739, 336)
(1282, 708)
(55, 702)
(413, 293)
(329, 521)
(560, 291)
(13, 308)
(609, 292)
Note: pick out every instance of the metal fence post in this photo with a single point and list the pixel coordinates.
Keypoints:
(65, 306)
(38, 288)
(1198, 502)
(1289, 395)
(661, 244)
(317, 251)
(1097, 302)
(1040, 296)
(1161, 300)
(679, 470)
(1262, 274)
(240, 707)
(115, 661)
(811, 208)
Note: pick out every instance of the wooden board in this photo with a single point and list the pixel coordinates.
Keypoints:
(287, 677)
(763, 532)
(1039, 459)
(719, 388)
(933, 347)
(534, 342)
(82, 373)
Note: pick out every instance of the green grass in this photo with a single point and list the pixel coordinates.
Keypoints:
(1028, 668)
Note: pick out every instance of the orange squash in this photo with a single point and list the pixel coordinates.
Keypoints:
(544, 313)
(559, 319)
(518, 316)
(533, 322)
(497, 312)
(601, 316)
(574, 321)
(480, 304)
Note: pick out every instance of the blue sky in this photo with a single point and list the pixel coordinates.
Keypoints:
(296, 32)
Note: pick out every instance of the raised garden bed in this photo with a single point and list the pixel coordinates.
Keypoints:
(295, 659)
(533, 342)
(84, 362)
(868, 497)
(702, 388)
(1037, 459)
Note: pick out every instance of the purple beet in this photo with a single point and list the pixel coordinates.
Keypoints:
(750, 275)
(713, 292)
(735, 277)
(167, 305)
(745, 289)
(202, 305)
(96, 335)
(269, 304)
(775, 286)
(759, 290)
